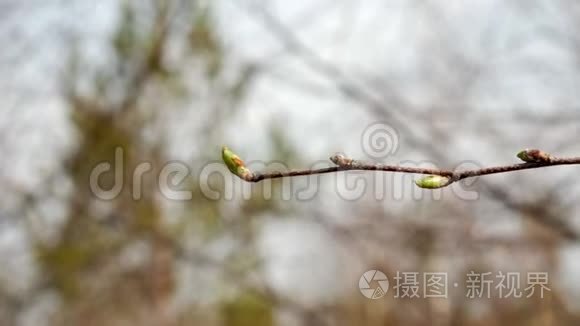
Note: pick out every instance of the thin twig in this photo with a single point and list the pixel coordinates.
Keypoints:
(346, 164)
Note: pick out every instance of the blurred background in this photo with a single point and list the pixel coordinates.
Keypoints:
(457, 84)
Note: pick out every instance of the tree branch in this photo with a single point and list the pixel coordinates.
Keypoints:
(437, 178)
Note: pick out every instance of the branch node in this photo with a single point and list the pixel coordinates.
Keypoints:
(534, 156)
(341, 160)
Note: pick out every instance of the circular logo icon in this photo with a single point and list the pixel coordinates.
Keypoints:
(380, 140)
(365, 282)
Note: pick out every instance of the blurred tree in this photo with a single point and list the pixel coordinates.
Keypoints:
(115, 112)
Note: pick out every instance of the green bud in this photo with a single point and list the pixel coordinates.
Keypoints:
(522, 156)
(235, 164)
(433, 182)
